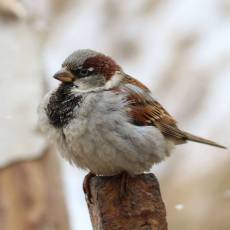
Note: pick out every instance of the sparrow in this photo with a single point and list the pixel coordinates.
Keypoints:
(106, 121)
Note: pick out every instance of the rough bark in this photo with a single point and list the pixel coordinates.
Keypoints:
(31, 196)
(140, 208)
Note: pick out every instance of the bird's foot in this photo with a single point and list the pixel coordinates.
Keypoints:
(86, 186)
(124, 184)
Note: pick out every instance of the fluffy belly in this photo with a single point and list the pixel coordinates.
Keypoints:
(100, 137)
(110, 147)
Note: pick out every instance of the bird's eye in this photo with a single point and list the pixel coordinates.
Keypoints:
(83, 72)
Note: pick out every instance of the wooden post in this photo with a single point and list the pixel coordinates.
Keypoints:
(141, 208)
(31, 196)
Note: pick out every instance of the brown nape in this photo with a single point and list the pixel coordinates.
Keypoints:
(102, 65)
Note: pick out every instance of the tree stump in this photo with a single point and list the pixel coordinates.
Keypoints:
(140, 208)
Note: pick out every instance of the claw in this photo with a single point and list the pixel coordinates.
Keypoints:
(124, 184)
(86, 186)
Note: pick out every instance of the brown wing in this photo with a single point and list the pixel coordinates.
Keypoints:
(145, 111)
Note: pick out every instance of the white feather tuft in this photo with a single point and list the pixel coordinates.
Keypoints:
(114, 81)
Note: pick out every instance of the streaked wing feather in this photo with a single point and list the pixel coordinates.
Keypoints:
(130, 80)
(146, 111)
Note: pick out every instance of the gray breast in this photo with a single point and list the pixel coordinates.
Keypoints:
(60, 109)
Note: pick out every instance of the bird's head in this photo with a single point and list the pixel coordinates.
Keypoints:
(87, 70)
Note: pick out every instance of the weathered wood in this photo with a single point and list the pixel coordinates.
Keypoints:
(140, 208)
(31, 196)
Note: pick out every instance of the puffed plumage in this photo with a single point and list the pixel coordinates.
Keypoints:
(106, 121)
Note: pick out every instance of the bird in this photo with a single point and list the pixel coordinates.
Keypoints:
(106, 121)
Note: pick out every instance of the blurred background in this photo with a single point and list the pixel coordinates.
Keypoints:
(179, 49)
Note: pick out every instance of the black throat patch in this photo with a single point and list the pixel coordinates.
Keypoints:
(60, 109)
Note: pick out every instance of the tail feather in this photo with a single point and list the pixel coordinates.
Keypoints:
(194, 138)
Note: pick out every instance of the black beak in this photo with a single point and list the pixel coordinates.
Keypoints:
(64, 76)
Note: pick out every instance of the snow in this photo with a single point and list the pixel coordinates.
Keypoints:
(179, 207)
